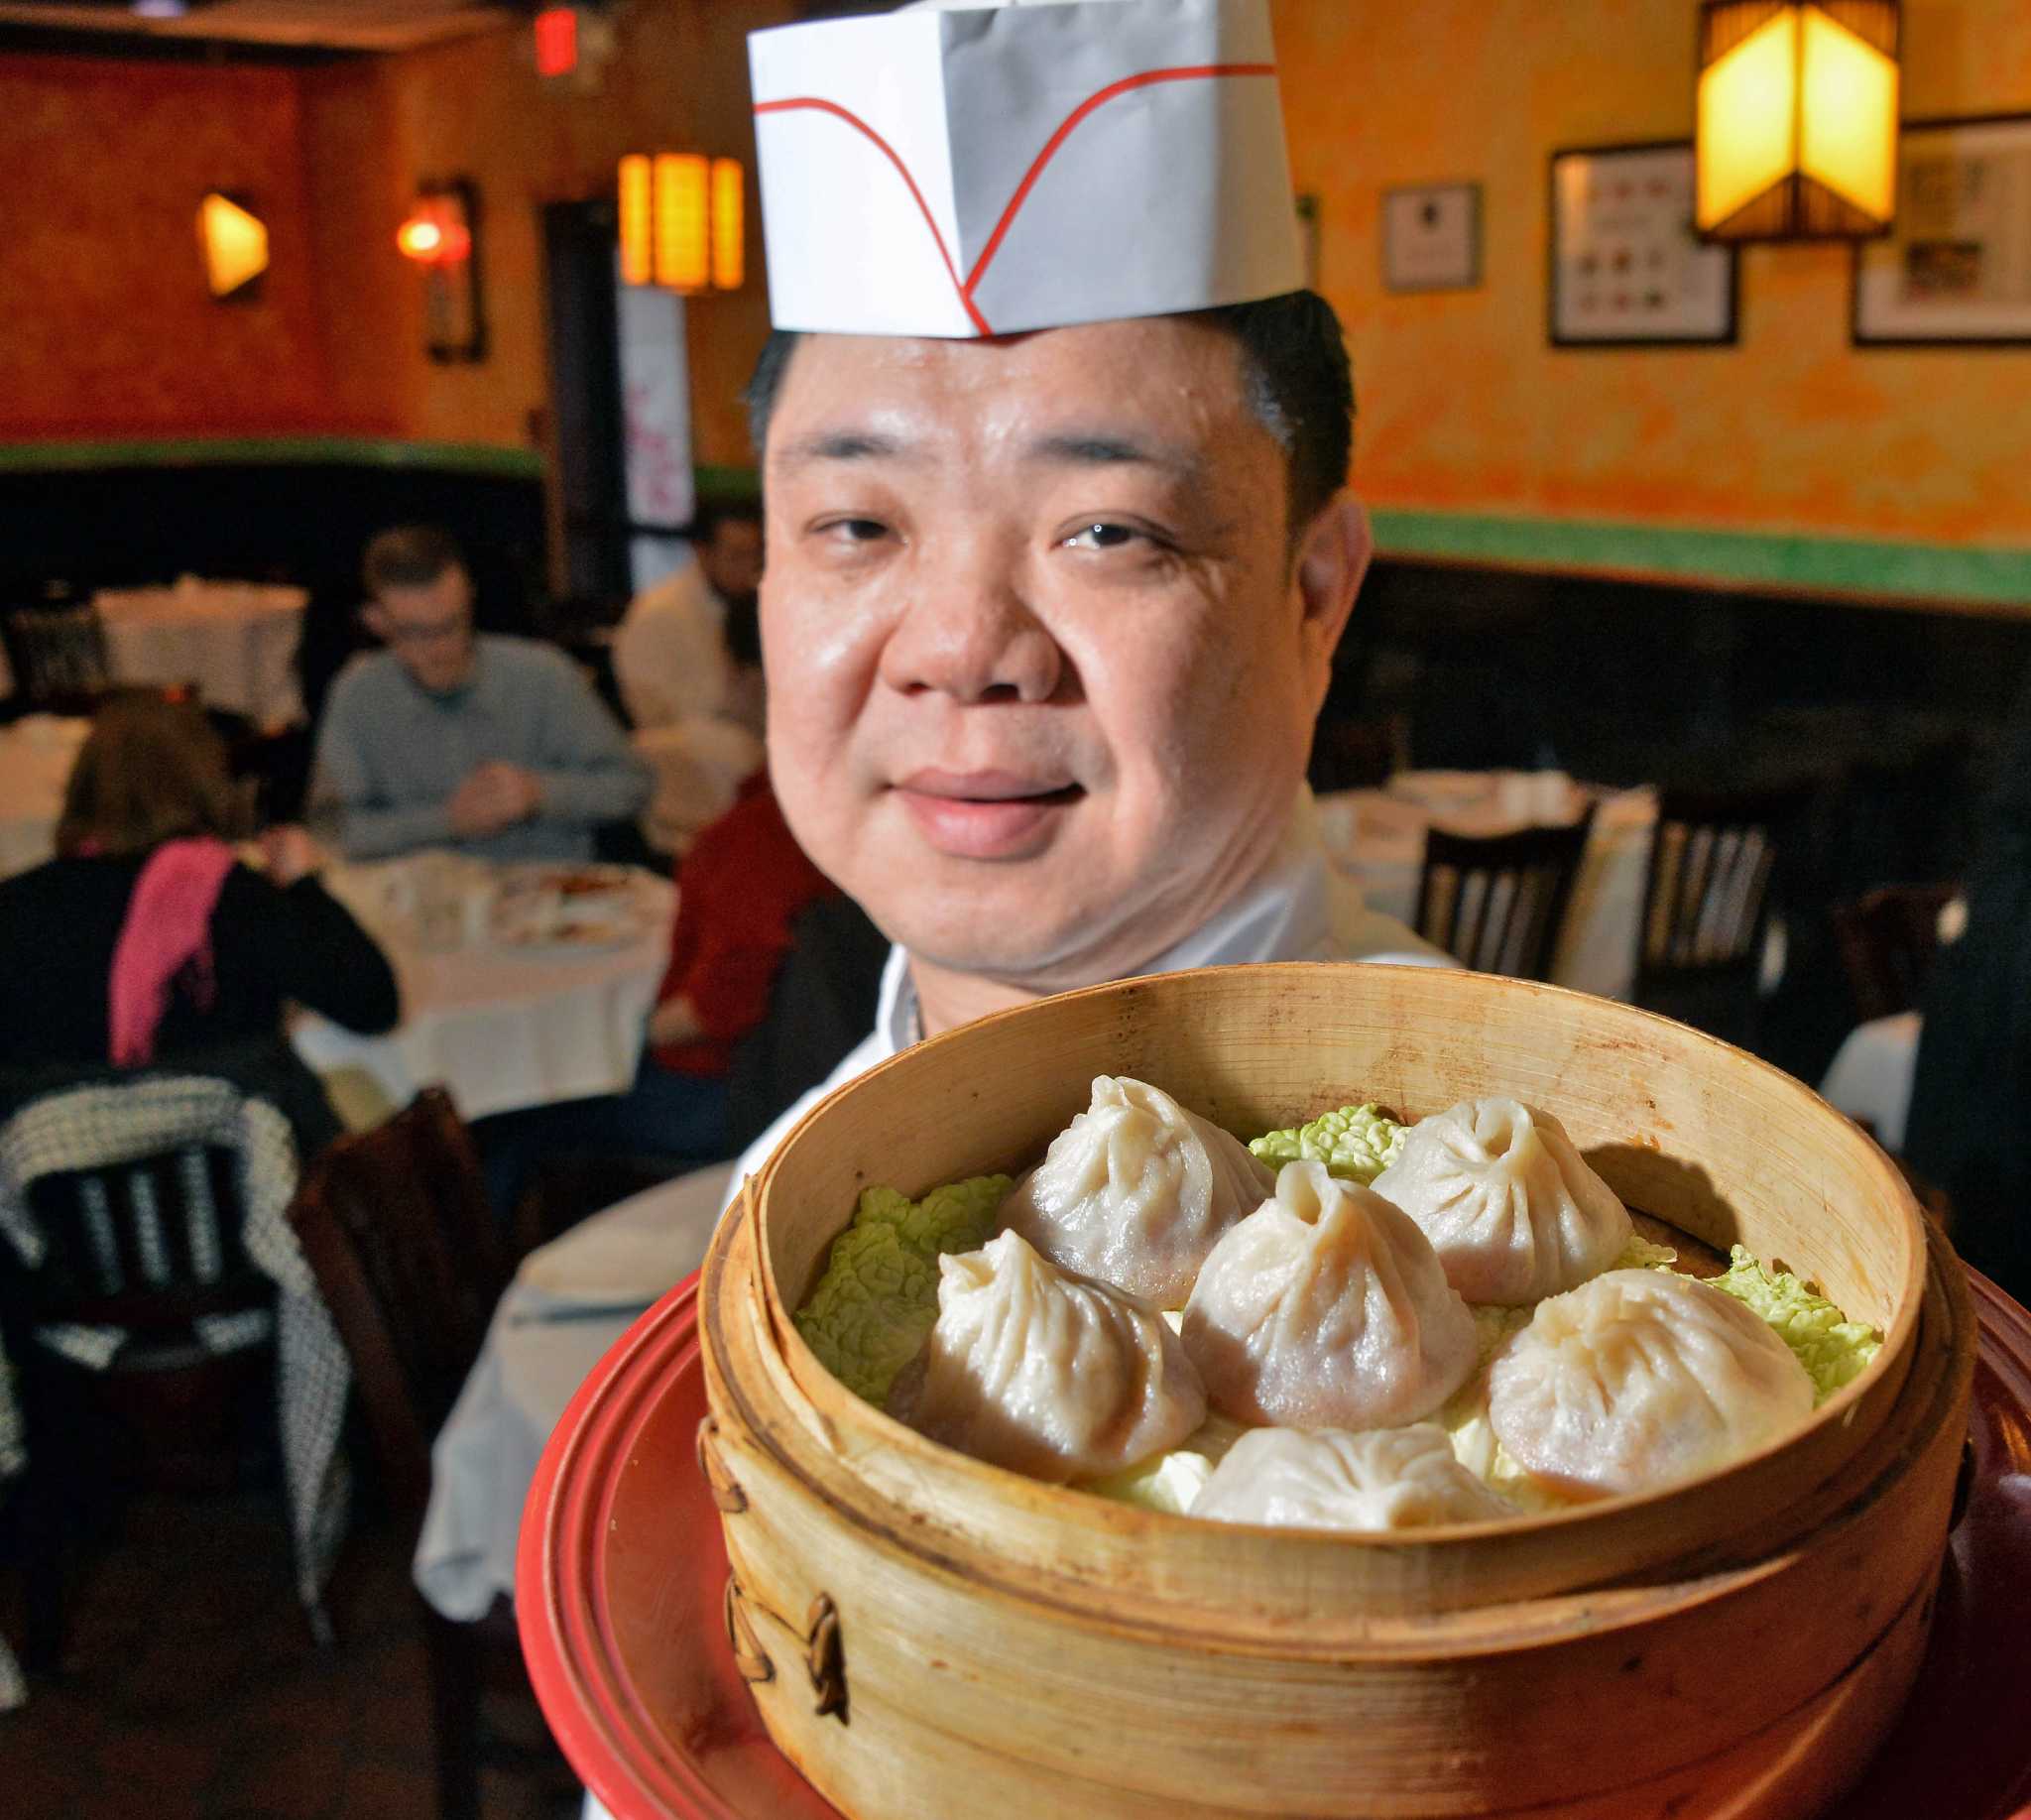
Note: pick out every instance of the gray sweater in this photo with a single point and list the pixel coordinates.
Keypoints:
(389, 754)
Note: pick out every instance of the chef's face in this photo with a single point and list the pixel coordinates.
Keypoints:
(1043, 660)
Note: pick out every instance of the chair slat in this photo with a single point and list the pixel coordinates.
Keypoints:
(144, 1222)
(200, 1216)
(96, 1207)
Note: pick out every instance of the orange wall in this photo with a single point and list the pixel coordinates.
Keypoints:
(475, 108)
(1463, 404)
(106, 323)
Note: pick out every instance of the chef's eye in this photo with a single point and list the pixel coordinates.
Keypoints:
(1103, 536)
(857, 530)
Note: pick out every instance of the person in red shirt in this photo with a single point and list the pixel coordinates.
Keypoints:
(740, 889)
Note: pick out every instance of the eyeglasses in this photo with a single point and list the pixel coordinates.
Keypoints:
(396, 633)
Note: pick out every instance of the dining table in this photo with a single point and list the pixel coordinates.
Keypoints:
(234, 641)
(502, 1017)
(1377, 837)
(37, 753)
(1870, 1075)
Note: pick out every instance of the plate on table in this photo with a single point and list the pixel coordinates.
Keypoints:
(569, 909)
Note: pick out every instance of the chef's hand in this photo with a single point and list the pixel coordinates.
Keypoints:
(675, 1019)
(497, 795)
(287, 853)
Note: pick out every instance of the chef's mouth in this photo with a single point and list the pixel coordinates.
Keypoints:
(986, 815)
(987, 788)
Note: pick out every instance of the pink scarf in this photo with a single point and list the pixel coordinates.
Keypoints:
(168, 930)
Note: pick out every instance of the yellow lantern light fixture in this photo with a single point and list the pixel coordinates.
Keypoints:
(1797, 119)
(681, 222)
(638, 223)
(234, 242)
(728, 203)
(683, 244)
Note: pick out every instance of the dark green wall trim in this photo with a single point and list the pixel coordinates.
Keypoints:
(255, 451)
(1952, 576)
(729, 483)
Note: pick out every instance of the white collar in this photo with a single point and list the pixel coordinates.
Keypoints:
(1298, 909)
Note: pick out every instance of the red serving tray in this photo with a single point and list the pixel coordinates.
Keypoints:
(621, 1578)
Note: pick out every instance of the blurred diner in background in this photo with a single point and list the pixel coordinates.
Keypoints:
(388, 840)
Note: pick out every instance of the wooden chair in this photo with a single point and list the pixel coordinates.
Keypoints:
(1706, 903)
(151, 1245)
(397, 1226)
(1498, 902)
(1887, 940)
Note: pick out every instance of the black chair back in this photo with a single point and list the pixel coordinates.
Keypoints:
(1887, 938)
(1707, 901)
(147, 1245)
(57, 654)
(1498, 902)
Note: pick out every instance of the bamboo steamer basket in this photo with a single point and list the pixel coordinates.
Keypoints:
(926, 1635)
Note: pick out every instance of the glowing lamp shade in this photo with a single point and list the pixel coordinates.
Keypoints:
(728, 247)
(1797, 119)
(638, 237)
(683, 244)
(234, 242)
(681, 221)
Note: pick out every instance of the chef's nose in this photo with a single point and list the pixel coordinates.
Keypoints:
(970, 630)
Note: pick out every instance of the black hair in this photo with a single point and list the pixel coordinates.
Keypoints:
(409, 557)
(1294, 361)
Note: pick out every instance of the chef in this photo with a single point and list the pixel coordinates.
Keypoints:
(1055, 447)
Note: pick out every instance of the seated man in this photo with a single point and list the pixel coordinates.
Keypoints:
(675, 651)
(688, 663)
(1048, 617)
(494, 746)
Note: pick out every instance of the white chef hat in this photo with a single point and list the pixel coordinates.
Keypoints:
(961, 170)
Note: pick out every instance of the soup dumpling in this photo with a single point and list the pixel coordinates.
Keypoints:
(1327, 1309)
(1332, 1479)
(1135, 1191)
(1509, 1203)
(1641, 1379)
(1031, 1368)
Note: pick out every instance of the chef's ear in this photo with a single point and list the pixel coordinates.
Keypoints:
(1332, 561)
(374, 616)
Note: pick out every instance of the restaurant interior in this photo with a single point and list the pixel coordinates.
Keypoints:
(1693, 669)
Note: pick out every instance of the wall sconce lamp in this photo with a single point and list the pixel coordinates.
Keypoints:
(1797, 119)
(682, 223)
(234, 242)
(442, 236)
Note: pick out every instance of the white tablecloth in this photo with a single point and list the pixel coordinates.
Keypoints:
(569, 1302)
(1377, 837)
(502, 1028)
(1870, 1076)
(36, 757)
(236, 641)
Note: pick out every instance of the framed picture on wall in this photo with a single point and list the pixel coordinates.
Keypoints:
(1955, 270)
(1431, 237)
(1626, 268)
